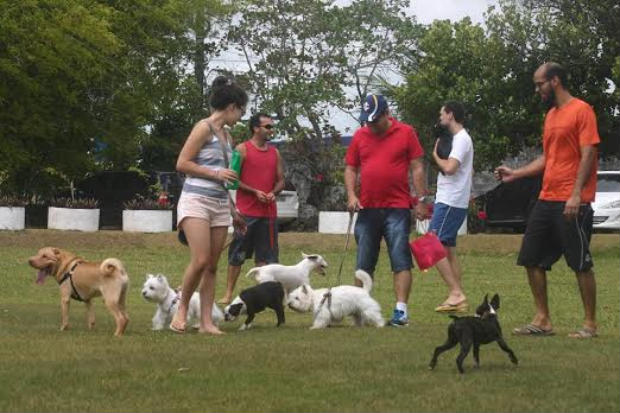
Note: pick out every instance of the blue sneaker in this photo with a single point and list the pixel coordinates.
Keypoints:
(399, 319)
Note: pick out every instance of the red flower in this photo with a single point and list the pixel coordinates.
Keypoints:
(319, 177)
(162, 200)
(482, 215)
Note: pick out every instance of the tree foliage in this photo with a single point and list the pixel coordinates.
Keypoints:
(84, 83)
(491, 70)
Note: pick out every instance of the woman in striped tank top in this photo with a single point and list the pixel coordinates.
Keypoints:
(204, 210)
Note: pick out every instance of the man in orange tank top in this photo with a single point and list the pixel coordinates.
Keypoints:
(561, 221)
(261, 179)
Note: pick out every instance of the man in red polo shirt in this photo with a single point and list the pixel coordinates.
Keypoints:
(561, 221)
(382, 154)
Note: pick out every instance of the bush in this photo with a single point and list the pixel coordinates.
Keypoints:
(140, 202)
(12, 201)
(77, 203)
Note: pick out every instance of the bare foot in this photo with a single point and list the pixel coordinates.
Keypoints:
(211, 330)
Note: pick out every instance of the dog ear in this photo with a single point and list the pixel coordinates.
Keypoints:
(495, 301)
(304, 289)
(56, 251)
(486, 299)
(160, 277)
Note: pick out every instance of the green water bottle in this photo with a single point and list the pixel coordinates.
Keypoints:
(235, 165)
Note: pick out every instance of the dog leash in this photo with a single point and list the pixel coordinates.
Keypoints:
(346, 245)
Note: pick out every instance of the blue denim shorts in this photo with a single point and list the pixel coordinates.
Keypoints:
(446, 222)
(393, 224)
(261, 238)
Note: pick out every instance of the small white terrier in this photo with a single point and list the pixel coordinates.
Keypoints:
(157, 290)
(331, 305)
(290, 276)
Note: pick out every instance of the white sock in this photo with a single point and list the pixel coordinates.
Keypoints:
(400, 306)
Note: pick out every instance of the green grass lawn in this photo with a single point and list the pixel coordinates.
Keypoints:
(292, 368)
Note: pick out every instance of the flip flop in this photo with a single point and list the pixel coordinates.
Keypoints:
(452, 308)
(532, 330)
(176, 329)
(584, 333)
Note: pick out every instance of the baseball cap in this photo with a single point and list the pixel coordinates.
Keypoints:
(373, 107)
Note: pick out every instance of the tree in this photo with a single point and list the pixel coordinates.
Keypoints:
(83, 83)
(52, 56)
(305, 56)
(491, 72)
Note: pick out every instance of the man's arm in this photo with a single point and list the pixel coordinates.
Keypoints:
(588, 155)
(419, 183)
(506, 174)
(447, 166)
(350, 179)
(279, 185)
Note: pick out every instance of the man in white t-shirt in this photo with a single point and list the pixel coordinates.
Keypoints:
(451, 201)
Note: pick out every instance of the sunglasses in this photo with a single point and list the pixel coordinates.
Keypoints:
(268, 127)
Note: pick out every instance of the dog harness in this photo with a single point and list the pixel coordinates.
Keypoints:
(174, 300)
(68, 275)
(326, 297)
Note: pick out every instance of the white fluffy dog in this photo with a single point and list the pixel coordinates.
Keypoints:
(156, 289)
(290, 276)
(331, 305)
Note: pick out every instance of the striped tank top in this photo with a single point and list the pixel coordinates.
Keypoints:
(210, 156)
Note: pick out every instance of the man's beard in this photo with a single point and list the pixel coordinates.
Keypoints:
(549, 101)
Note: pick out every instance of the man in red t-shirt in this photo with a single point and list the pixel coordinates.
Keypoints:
(561, 221)
(381, 155)
(261, 179)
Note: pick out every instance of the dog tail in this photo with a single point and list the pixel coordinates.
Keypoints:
(110, 265)
(365, 278)
(253, 271)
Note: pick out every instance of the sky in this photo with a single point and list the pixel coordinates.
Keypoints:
(428, 10)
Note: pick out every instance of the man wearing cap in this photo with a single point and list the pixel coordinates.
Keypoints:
(382, 154)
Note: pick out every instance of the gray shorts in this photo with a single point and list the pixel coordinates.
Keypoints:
(261, 238)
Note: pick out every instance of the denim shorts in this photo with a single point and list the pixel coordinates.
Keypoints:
(446, 222)
(261, 238)
(394, 225)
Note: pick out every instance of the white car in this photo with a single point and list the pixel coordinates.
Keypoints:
(607, 200)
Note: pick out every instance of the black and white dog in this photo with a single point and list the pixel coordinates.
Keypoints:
(473, 331)
(254, 300)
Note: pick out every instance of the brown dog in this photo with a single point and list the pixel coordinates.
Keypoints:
(83, 280)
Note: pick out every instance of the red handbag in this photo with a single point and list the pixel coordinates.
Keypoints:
(427, 250)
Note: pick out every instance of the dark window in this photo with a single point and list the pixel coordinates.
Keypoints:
(608, 183)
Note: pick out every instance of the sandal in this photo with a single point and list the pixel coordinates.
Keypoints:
(178, 330)
(584, 333)
(532, 330)
(453, 308)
